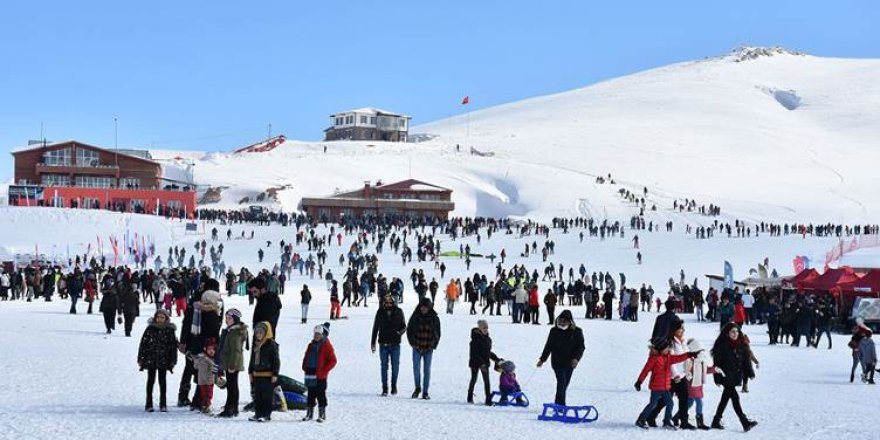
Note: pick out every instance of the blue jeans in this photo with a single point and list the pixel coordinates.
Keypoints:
(305, 311)
(699, 403)
(392, 353)
(656, 397)
(418, 359)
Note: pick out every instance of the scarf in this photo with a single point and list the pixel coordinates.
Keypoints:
(196, 327)
(311, 379)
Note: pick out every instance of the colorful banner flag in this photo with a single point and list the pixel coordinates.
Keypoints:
(466, 100)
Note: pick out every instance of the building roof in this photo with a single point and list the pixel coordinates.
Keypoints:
(372, 111)
(133, 154)
(414, 185)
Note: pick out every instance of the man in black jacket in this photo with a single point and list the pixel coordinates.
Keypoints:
(566, 345)
(268, 306)
(388, 326)
(664, 323)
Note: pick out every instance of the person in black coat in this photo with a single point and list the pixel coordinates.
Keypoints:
(729, 355)
(157, 354)
(193, 336)
(388, 327)
(109, 305)
(566, 345)
(129, 305)
(665, 322)
(480, 356)
(268, 306)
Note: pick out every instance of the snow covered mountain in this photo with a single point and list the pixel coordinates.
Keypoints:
(763, 132)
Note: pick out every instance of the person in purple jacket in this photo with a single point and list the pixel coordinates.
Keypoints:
(507, 382)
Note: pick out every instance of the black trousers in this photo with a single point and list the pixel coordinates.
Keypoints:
(109, 320)
(318, 393)
(264, 392)
(608, 311)
(484, 371)
(563, 378)
(551, 315)
(729, 394)
(232, 394)
(151, 380)
(490, 306)
(129, 322)
(773, 327)
(680, 391)
(186, 380)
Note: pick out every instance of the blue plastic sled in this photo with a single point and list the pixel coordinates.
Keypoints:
(516, 398)
(569, 414)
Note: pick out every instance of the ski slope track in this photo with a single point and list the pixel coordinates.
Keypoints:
(765, 133)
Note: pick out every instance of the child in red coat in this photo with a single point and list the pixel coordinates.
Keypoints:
(318, 360)
(659, 362)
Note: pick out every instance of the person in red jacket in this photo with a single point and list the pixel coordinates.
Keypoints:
(659, 362)
(739, 313)
(318, 360)
(534, 304)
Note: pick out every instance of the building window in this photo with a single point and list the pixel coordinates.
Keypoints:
(401, 123)
(373, 120)
(95, 181)
(87, 158)
(175, 204)
(339, 121)
(349, 119)
(56, 180)
(57, 157)
(91, 203)
(130, 183)
(363, 119)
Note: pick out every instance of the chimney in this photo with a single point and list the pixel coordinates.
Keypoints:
(368, 193)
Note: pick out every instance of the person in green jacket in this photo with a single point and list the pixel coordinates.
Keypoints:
(230, 356)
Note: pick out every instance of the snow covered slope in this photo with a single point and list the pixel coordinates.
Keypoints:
(764, 133)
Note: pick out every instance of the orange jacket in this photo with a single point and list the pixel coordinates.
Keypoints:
(452, 291)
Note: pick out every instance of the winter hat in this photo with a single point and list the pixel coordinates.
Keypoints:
(670, 304)
(425, 301)
(235, 314)
(508, 366)
(323, 329)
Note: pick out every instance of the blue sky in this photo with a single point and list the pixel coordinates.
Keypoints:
(213, 74)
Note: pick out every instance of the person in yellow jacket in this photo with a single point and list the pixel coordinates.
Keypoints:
(452, 293)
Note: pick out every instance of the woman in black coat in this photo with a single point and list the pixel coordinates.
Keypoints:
(109, 306)
(730, 354)
(157, 354)
(566, 345)
(480, 355)
(129, 305)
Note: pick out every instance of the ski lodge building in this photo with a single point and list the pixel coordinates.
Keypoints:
(409, 198)
(72, 174)
(368, 124)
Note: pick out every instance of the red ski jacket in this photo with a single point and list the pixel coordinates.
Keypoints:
(661, 373)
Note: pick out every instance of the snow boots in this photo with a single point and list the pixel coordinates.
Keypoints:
(716, 423)
(415, 394)
(322, 414)
(310, 412)
(748, 424)
(700, 424)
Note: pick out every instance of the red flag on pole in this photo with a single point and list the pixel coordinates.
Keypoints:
(466, 100)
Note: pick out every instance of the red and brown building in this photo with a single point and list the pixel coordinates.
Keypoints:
(409, 198)
(73, 174)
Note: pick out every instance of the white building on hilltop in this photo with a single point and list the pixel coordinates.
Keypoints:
(367, 124)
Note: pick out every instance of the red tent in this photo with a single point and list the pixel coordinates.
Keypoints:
(868, 285)
(804, 275)
(830, 279)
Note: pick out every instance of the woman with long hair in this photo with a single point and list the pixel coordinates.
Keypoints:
(729, 354)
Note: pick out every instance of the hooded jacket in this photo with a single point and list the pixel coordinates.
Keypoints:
(158, 347)
(564, 345)
(265, 361)
(231, 352)
(423, 330)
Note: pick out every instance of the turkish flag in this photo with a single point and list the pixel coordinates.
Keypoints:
(466, 100)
